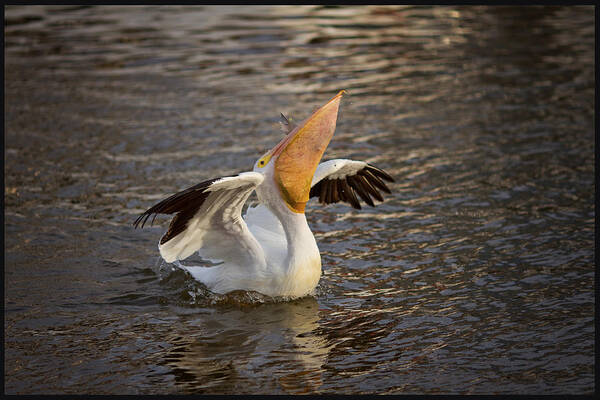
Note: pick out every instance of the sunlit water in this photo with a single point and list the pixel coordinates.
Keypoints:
(475, 276)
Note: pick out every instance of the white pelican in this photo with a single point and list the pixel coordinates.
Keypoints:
(272, 249)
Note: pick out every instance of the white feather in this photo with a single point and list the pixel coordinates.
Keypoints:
(337, 169)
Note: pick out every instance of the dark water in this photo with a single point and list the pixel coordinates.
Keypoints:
(475, 276)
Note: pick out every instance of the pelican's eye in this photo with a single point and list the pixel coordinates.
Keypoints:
(263, 161)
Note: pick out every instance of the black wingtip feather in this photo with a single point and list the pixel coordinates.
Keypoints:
(356, 184)
(372, 178)
(369, 188)
(351, 197)
(335, 195)
(379, 172)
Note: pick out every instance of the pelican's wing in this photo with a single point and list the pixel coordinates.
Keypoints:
(341, 180)
(208, 220)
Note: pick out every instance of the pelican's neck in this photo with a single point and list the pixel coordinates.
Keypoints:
(303, 261)
(301, 243)
(302, 250)
(300, 270)
(300, 240)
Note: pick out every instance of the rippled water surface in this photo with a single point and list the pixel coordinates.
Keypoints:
(476, 275)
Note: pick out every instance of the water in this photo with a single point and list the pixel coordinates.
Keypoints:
(475, 276)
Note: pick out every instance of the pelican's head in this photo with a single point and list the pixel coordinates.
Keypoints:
(295, 159)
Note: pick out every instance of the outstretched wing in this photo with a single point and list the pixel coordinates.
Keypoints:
(208, 220)
(341, 180)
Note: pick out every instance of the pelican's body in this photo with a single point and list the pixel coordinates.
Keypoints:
(272, 249)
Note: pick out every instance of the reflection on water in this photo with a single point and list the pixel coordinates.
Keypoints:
(475, 276)
(272, 345)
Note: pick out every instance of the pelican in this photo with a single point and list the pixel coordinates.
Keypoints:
(271, 250)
